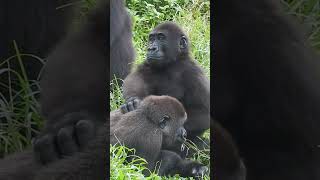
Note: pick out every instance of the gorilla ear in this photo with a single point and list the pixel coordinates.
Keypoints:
(183, 42)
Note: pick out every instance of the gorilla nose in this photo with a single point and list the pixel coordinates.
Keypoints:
(152, 48)
(181, 135)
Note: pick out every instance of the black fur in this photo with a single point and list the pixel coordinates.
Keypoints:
(141, 129)
(266, 90)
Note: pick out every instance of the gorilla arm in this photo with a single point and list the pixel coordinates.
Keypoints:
(134, 86)
(134, 90)
(197, 103)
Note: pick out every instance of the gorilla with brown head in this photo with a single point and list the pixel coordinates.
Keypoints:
(152, 129)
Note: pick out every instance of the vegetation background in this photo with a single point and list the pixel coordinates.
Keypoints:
(19, 113)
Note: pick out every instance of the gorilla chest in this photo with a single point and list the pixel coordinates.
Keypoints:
(165, 85)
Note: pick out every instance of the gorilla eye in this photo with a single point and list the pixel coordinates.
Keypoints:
(163, 121)
(151, 38)
(161, 36)
(183, 42)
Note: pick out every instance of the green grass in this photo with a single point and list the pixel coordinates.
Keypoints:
(19, 110)
(194, 18)
(308, 13)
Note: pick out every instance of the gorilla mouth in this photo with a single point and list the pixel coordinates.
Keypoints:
(154, 57)
(183, 146)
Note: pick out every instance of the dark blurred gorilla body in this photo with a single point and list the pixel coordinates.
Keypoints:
(155, 126)
(72, 99)
(122, 53)
(266, 90)
(73, 102)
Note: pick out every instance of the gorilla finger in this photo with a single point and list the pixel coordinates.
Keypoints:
(84, 132)
(66, 143)
(136, 103)
(130, 106)
(199, 171)
(45, 150)
(124, 108)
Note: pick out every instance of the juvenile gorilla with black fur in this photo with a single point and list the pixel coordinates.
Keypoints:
(169, 70)
(266, 90)
(155, 126)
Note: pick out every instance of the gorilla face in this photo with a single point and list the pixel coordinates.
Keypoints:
(173, 131)
(167, 115)
(166, 44)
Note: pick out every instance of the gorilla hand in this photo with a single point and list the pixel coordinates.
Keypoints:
(131, 104)
(198, 170)
(64, 139)
(172, 163)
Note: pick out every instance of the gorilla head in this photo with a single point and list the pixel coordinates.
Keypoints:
(153, 129)
(160, 116)
(167, 43)
(168, 115)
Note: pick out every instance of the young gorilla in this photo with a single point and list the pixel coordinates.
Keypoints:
(169, 70)
(266, 90)
(155, 126)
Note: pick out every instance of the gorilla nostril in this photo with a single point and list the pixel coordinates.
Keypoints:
(152, 49)
(184, 134)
